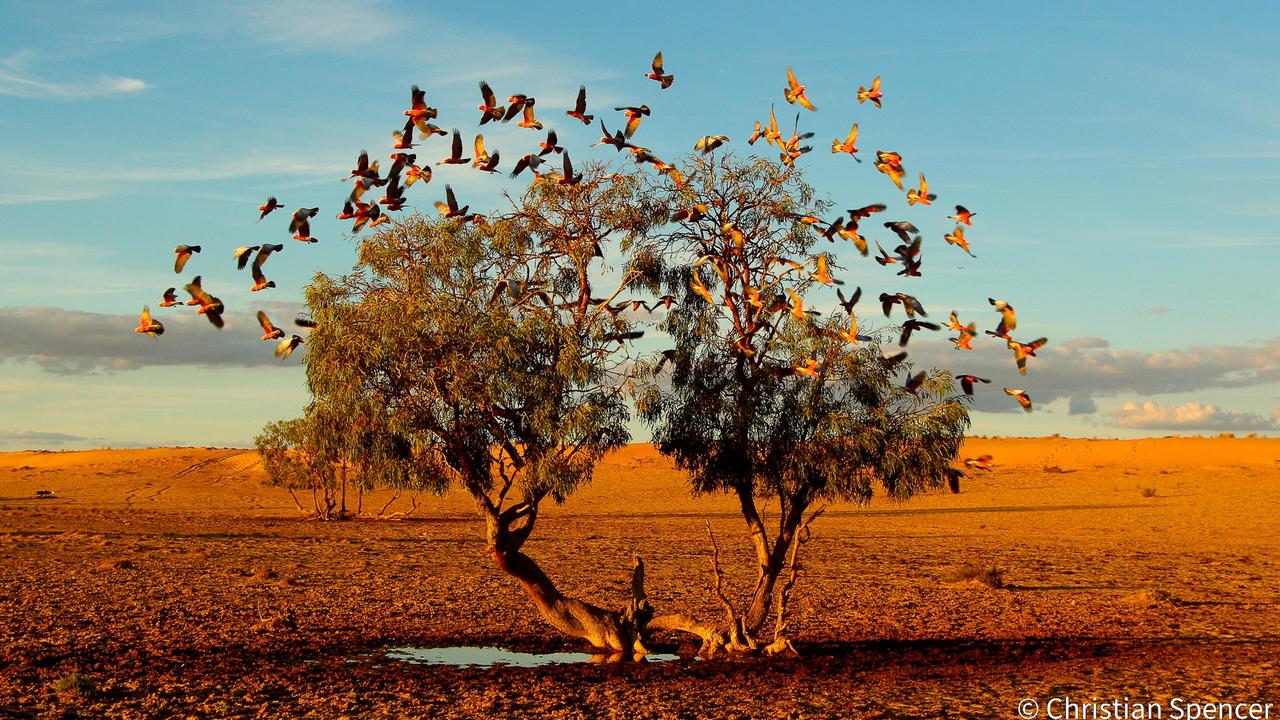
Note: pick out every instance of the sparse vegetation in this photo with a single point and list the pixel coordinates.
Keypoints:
(76, 686)
(976, 571)
(1147, 491)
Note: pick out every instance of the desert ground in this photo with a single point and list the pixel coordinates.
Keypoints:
(172, 583)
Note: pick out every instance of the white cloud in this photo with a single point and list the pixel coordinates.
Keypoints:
(1187, 416)
(16, 79)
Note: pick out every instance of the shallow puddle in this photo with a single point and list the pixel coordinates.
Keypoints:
(494, 656)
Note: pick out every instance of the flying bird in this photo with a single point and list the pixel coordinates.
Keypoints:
(260, 281)
(241, 255)
(530, 161)
(170, 298)
(580, 107)
(489, 107)
(911, 305)
(890, 163)
(552, 143)
(707, 143)
(634, 114)
(300, 226)
(148, 325)
(269, 331)
(516, 105)
(183, 255)
(287, 346)
(1023, 351)
(962, 216)
(849, 145)
(912, 325)
(657, 72)
(419, 112)
(1008, 318)
(1021, 396)
(872, 93)
(528, 119)
(921, 194)
(794, 92)
(982, 462)
(266, 207)
(956, 237)
(967, 381)
(914, 382)
(570, 178)
(455, 155)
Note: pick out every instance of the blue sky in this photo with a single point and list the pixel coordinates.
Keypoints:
(1124, 165)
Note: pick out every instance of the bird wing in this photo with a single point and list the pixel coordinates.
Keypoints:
(657, 63)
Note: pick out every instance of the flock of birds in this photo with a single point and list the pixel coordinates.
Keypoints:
(368, 211)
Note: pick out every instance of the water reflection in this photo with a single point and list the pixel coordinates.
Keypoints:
(464, 656)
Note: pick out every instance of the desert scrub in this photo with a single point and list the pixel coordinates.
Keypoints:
(76, 685)
(979, 572)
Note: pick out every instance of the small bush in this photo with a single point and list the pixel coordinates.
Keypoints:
(1147, 491)
(974, 571)
(76, 684)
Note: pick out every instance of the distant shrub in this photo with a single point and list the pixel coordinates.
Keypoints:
(1147, 491)
(76, 684)
(1226, 436)
(979, 572)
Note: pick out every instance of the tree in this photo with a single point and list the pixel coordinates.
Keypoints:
(761, 396)
(476, 353)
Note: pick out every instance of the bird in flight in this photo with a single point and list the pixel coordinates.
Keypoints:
(849, 145)
(795, 92)
(657, 72)
(183, 255)
(872, 93)
(269, 331)
(266, 207)
(300, 226)
(962, 216)
(148, 325)
(489, 107)
(967, 381)
(1021, 396)
(921, 194)
(956, 237)
(579, 110)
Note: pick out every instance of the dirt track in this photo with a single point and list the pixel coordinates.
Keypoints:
(181, 587)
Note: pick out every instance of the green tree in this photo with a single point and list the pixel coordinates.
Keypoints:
(761, 397)
(473, 352)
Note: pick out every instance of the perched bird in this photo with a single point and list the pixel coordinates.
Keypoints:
(184, 254)
(1021, 396)
(1023, 351)
(912, 325)
(300, 226)
(921, 194)
(241, 255)
(455, 155)
(269, 331)
(489, 107)
(287, 346)
(967, 381)
(962, 216)
(693, 213)
(982, 462)
(657, 72)
(170, 298)
(552, 143)
(580, 107)
(634, 114)
(266, 207)
(148, 325)
(911, 305)
(873, 93)
(707, 143)
(956, 237)
(700, 289)
(849, 145)
(794, 93)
